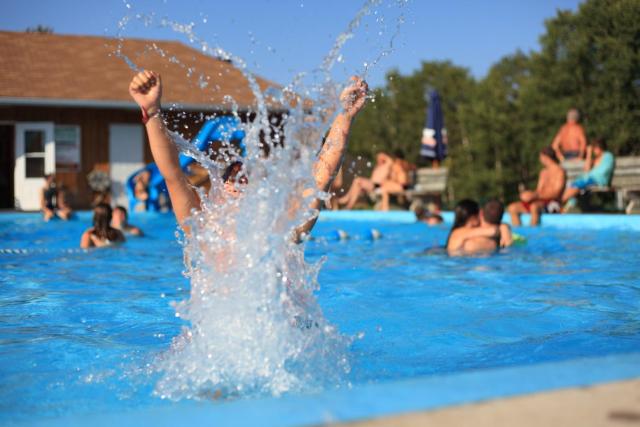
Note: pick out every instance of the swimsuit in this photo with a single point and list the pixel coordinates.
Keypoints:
(545, 203)
(497, 237)
(571, 154)
(50, 198)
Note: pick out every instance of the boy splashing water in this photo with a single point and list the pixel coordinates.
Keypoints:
(254, 324)
(146, 90)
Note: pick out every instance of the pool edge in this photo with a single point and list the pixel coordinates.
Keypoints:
(595, 405)
(377, 400)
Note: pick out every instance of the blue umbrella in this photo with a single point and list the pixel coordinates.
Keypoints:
(434, 134)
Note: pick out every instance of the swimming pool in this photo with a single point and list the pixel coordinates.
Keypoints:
(78, 328)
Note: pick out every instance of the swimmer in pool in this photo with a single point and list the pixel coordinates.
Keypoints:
(102, 234)
(146, 90)
(467, 226)
(120, 222)
(490, 218)
(429, 215)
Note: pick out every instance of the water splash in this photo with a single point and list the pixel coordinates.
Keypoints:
(254, 324)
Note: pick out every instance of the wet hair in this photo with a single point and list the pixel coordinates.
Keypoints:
(121, 209)
(464, 210)
(600, 143)
(550, 153)
(232, 171)
(423, 214)
(493, 211)
(102, 214)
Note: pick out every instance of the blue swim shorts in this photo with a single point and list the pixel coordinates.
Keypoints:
(583, 183)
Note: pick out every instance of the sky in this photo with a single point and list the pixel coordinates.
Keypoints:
(280, 38)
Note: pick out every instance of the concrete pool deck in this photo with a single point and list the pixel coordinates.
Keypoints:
(612, 404)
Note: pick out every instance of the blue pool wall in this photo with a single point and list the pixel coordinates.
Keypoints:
(566, 221)
(372, 400)
(580, 221)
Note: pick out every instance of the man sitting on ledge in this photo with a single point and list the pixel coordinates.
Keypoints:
(551, 182)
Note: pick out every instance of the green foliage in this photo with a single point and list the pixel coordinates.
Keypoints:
(40, 29)
(589, 59)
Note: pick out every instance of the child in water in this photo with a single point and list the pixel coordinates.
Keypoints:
(102, 233)
(146, 90)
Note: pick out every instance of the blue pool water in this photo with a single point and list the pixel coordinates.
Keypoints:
(78, 328)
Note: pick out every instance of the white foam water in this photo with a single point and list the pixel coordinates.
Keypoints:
(254, 324)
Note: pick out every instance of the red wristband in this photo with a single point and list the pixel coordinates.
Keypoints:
(146, 117)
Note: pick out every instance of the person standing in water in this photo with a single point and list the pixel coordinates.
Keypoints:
(120, 222)
(466, 227)
(102, 233)
(146, 90)
(490, 218)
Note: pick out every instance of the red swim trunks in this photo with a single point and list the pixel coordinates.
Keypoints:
(527, 205)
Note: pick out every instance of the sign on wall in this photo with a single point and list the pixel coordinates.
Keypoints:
(67, 148)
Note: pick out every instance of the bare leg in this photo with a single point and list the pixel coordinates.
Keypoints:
(64, 213)
(387, 189)
(355, 187)
(360, 185)
(47, 214)
(569, 193)
(536, 210)
(515, 209)
(384, 201)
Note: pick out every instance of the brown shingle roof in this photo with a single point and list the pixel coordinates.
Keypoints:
(54, 67)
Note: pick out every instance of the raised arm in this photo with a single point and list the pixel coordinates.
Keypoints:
(146, 90)
(353, 98)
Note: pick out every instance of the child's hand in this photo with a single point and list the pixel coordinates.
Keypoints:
(354, 96)
(146, 89)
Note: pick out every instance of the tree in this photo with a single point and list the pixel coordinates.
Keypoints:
(589, 59)
(40, 29)
(396, 117)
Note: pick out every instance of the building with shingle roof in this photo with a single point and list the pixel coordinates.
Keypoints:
(65, 107)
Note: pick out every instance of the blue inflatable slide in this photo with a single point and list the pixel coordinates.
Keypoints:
(224, 128)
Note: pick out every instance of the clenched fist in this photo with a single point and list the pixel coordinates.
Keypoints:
(146, 89)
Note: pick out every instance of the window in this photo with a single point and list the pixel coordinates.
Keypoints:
(34, 141)
(67, 148)
(34, 153)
